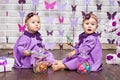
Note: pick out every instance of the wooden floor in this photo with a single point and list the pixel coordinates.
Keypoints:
(109, 72)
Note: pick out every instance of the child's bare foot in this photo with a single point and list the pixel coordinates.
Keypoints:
(58, 66)
(57, 62)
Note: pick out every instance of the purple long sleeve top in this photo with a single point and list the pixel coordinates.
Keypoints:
(32, 42)
(90, 45)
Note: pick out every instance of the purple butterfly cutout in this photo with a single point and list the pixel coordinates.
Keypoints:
(21, 1)
(50, 20)
(49, 33)
(6, 1)
(118, 3)
(109, 57)
(61, 46)
(99, 6)
(61, 32)
(74, 22)
(61, 7)
(111, 41)
(99, 34)
(22, 13)
(50, 46)
(21, 28)
(49, 6)
(111, 16)
(61, 19)
(73, 7)
(35, 2)
(87, 2)
(111, 2)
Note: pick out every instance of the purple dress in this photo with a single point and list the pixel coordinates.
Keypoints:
(32, 42)
(90, 45)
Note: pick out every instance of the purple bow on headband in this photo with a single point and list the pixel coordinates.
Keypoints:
(85, 15)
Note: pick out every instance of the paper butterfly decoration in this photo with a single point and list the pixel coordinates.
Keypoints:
(74, 22)
(118, 3)
(35, 2)
(50, 20)
(111, 41)
(99, 33)
(21, 1)
(87, 2)
(22, 13)
(61, 7)
(73, 7)
(49, 33)
(61, 46)
(99, 6)
(61, 19)
(21, 28)
(111, 16)
(61, 32)
(6, 1)
(49, 6)
(111, 2)
(50, 46)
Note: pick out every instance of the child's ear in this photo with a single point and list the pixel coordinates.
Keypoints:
(26, 24)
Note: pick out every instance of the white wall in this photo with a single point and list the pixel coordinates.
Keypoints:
(8, 24)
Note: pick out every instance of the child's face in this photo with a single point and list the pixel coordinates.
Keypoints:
(33, 24)
(89, 26)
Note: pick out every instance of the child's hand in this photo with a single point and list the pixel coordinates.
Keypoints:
(26, 52)
(68, 42)
(71, 54)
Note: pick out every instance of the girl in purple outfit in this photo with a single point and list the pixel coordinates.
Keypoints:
(88, 45)
(29, 45)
